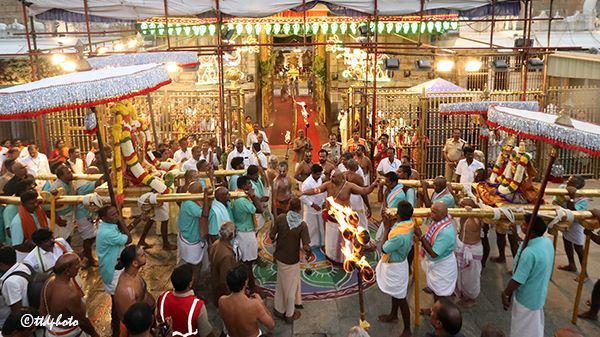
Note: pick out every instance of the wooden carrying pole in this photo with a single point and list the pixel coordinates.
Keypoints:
(94, 177)
(581, 279)
(103, 164)
(78, 199)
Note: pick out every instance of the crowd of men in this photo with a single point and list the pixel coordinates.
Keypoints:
(219, 234)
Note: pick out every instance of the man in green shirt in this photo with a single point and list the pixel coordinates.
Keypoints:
(243, 210)
(261, 194)
(532, 269)
(193, 232)
(439, 261)
(392, 269)
(237, 163)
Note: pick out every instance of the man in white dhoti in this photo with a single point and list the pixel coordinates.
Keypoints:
(469, 253)
(392, 269)
(243, 210)
(439, 262)
(312, 206)
(359, 203)
(340, 190)
(290, 235)
(193, 232)
(529, 284)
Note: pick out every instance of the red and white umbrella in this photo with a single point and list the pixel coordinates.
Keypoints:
(574, 135)
(80, 90)
(481, 108)
(180, 58)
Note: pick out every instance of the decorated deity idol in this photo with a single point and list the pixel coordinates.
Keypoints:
(131, 142)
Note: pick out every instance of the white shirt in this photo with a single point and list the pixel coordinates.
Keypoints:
(265, 148)
(309, 200)
(24, 152)
(466, 171)
(386, 166)
(189, 164)
(259, 157)
(180, 155)
(89, 158)
(252, 138)
(42, 261)
(246, 154)
(38, 165)
(76, 167)
(14, 289)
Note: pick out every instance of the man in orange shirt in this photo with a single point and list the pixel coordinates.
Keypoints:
(355, 140)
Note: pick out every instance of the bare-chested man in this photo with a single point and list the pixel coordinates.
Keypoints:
(242, 313)
(469, 254)
(303, 168)
(272, 169)
(326, 164)
(62, 297)
(131, 287)
(364, 162)
(340, 190)
(359, 203)
(282, 190)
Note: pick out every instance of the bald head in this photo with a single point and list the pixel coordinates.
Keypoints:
(337, 176)
(195, 187)
(439, 210)
(66, 262)
(352, 165)
(446, 317)
(222, 194)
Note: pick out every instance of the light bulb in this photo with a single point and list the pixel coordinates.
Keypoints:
(101, 50)
(58, 59)
(69, 66)
(172, 67)
(118, 47)
(444, 66)
(473, 66)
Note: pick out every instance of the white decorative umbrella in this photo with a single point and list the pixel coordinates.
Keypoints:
(481, 108)
(560, 131)
(80, 90)
(181, 58)
(581, 136)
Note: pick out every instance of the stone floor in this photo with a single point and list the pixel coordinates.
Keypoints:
(333, 318)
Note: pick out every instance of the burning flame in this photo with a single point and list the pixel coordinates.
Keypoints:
(355, 239)
(288, 137)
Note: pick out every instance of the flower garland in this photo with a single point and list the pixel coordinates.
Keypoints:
(503, 157)
(124, 146)
(509, 184)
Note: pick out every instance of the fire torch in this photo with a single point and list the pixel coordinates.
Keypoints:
(354, 248)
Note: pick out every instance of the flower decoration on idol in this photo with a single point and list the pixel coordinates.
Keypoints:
(136, 166)
(356, 240)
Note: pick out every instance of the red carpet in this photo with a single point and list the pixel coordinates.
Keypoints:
(282, 121)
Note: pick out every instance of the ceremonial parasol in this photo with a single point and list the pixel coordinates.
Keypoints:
(560, 131)
(82, 90)
(180, 58)
(481, 108)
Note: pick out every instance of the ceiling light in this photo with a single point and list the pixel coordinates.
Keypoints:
(172, 67)
(118, 47)
(58, 59)
(444, 66)
(101, 50)
(473, 66)
(69, 66)
(131, 44)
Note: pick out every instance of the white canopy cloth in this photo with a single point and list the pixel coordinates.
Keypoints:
(481, 108)
(181, 58)
(142, 9)
(584, 137)
(80, 90)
